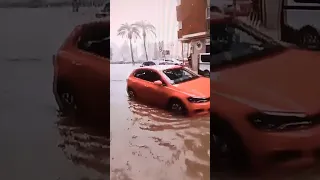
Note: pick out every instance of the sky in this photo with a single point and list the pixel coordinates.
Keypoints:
(160, 13)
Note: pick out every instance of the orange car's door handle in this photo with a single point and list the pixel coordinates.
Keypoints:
(76, 63)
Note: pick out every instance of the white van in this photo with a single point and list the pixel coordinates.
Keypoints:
(204, 64)
(300, 22)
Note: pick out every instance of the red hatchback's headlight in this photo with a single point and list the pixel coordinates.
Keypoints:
(198, 100)
(279, 121)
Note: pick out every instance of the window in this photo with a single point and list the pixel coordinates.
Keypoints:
(205, 58)
(180, 25)
(95, 39)
(147, 75)
(139, 74)
(179, 75)
(233, 43)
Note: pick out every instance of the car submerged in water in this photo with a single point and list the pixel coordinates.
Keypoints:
(171, 87)
(81, 82)
(265, 100)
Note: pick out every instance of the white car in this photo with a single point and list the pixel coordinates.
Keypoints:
(204, 64)
(170, 62)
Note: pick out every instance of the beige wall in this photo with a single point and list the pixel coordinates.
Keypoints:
(195, 63)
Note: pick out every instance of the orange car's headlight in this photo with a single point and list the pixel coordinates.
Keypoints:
(279, 121)
(198, 100)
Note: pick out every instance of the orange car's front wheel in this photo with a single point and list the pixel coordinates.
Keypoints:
(176, 106)
(131, 93)
(228, 148)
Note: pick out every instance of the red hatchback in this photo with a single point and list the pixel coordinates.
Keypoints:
(81, 71)
(173, 87)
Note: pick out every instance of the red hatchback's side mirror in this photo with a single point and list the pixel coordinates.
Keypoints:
(158, 82)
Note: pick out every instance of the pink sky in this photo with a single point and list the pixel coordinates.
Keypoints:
(160, 13)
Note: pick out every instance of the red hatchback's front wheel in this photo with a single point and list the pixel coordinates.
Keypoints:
(177, 107)
(131, 93)
(66, 99)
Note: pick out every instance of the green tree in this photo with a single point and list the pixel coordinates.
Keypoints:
(146, 29)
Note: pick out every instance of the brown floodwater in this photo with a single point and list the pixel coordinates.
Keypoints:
(150, 143)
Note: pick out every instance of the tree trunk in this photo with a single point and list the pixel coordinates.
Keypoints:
(145, 48)
(131, 51)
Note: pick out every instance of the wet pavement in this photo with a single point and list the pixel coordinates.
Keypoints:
(150, 143)
(36, 143)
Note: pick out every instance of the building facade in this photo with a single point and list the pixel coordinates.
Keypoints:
(193, 17)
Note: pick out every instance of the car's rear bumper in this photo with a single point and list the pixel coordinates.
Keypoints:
(286, 149)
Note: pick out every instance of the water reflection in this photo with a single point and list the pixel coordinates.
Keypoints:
(85, 145)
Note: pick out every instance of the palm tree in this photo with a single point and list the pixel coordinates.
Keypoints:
(146, 28)
(129, 31)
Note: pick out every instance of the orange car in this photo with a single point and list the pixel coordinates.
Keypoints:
(265, 108)
(81, 71)
(173, 87)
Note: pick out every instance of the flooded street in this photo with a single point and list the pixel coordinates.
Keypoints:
(35, 142)
(150, 143)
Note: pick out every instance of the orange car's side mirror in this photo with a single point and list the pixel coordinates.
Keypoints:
(158, 82)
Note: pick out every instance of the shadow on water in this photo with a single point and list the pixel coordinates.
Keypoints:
(85, 144)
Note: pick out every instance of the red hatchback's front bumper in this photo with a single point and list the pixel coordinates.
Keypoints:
(198, 108)
(285, 149)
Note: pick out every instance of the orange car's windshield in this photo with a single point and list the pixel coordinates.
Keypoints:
(232, 42)
(179, 75)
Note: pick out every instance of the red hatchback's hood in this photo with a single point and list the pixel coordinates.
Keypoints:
(287, 82)
(197, 88)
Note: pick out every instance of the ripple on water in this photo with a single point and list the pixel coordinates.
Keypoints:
(87, 147)
(163, 145)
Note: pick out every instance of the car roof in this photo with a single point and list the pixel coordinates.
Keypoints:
(160, 67)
